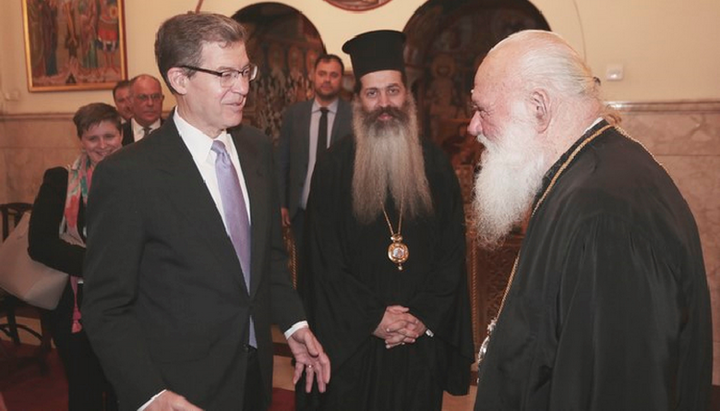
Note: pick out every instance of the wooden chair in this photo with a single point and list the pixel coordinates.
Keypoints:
(10, 306)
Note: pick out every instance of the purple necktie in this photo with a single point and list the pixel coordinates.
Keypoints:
(236, 215)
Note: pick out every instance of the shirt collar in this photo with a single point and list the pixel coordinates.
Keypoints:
(138, 129)
(332, 107)
(198, 142)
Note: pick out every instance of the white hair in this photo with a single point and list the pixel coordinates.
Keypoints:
(546, 60)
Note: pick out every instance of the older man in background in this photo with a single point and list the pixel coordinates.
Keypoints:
(147, 99)
(607, 307)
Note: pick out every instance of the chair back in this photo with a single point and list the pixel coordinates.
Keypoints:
(9, 305)
(11, 214)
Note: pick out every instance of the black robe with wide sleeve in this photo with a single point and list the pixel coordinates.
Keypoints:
(349, 281)
(609, 309)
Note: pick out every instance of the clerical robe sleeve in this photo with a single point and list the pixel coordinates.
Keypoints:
(443, 303)
(341, 310)
(619, 311)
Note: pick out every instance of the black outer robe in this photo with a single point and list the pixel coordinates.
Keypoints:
(609, 309)
(350, 281)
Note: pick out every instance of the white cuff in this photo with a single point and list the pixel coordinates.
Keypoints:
(147, 404)
(298, 325)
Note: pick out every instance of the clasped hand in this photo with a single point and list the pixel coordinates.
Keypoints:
(399, 327)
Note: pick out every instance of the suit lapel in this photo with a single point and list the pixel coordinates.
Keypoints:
(184, 187)
(127, 134)
(304, 131)
(258, 190)
(341, 117)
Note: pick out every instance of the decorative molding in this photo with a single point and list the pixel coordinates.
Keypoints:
(682, 106)
(36, 116)
(48, 116)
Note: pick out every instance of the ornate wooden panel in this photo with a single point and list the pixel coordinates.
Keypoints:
(488, 273)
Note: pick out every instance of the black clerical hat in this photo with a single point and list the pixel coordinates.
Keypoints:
(376, 51)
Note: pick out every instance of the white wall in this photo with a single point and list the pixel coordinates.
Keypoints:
(668, 48)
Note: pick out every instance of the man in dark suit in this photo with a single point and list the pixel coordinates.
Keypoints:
(299, 136)
(185, 267)
(146, 98)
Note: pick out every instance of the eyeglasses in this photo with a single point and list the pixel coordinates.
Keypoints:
(144, 98)
(229, 77)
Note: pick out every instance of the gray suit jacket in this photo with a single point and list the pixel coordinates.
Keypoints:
(293, 148)
(166, 304)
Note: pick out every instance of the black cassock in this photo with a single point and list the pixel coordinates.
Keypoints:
(348, 281)
(609, 309)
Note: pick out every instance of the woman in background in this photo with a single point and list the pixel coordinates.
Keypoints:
(57, 239)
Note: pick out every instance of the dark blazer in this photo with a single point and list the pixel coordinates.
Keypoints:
(44, 243)
(293, 148)
(45, 246)
(127, 132)
(165, 301)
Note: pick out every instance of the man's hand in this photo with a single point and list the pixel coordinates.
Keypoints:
(399, 327)
(311, 358)
(285, 215)
(169, 401)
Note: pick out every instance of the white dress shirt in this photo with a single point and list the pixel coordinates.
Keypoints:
(199, 146)
(138, 130)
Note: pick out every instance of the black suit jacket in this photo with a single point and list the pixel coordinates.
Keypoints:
(127, 132)
(165, 301)
(294, 146)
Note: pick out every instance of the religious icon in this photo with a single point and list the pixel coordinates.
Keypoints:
(74, 45)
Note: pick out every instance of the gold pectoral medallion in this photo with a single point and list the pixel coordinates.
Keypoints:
(398, 252)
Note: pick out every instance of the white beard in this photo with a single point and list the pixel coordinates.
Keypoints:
(512, 168)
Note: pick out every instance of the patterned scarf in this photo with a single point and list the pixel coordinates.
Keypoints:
(79, 178)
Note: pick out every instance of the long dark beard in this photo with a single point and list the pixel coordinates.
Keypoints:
(389, 159)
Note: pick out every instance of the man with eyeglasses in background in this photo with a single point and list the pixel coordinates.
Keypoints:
(185, 266)
(146, 99)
